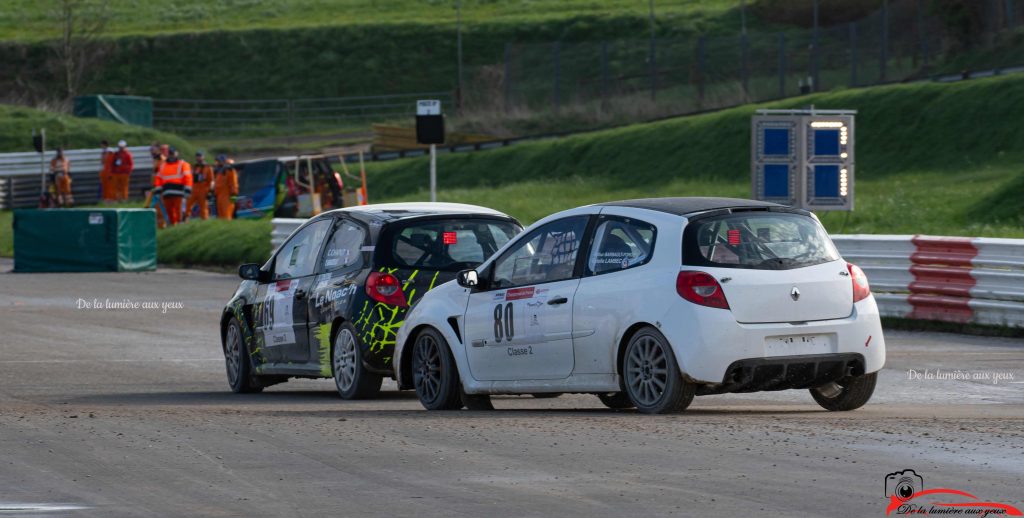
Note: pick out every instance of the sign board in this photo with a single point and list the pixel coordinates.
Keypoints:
(429, 122)
(803, 158)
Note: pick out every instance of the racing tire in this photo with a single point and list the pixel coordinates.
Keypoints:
(237, 361)
(652, 378)
(351, 378)
(434, 373)
(547, 395)
(476, 401)
(849, 393)
(616, 400)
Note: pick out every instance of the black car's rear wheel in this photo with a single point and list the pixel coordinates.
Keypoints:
(236, 358)
(351, 378)
(434, 374)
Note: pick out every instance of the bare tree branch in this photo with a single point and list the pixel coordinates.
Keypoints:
(80, 49)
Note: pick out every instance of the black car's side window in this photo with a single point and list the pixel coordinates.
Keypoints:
(547, 254)
(343, 248)
(297, 257)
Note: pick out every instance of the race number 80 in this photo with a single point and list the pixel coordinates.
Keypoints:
(503, 327)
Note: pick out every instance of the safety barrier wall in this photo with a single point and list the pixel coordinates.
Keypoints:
(283, 227)
(19, 176)
(951, 279)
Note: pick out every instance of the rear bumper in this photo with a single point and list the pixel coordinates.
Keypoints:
(787, 372)
(708, 341)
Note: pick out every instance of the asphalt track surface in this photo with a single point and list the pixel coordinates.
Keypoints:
(127, 413)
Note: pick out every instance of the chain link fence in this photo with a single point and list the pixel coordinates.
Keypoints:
(650, 77)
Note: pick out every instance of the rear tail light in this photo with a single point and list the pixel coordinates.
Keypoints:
(386, 288)
(701, 288)
(861, 290)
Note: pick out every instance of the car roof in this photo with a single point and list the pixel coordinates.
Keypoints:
(395, 211)
(689, 205)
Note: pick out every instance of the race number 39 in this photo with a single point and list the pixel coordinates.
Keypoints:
(504, 325)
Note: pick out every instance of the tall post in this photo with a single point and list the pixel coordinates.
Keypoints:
(782, 65)
(883, 59)
(816, 60)
(853, 54)
(507, 78)
(42, 164)
(458, 44)
(652, 54)
(557, 57)
(433, 172)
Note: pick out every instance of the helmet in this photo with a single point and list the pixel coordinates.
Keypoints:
(122, 143)
(199, 153)
(222, 158)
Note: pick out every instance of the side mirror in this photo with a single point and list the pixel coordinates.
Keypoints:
(468, 279)
(250, 271)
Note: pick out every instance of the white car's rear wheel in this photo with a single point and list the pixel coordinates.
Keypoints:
(849, 393)
(653, 381)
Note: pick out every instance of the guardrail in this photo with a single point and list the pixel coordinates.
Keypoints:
(19, 175)
(283, 227)
(950, 279)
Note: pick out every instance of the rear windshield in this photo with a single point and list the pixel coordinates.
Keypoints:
(446, 245)
(757, 240)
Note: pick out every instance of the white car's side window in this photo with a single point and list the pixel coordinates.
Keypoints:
(620, 243)
(547, 254)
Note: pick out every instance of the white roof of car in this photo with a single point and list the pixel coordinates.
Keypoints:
(461, 208)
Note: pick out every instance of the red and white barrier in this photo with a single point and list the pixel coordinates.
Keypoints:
(952, 279)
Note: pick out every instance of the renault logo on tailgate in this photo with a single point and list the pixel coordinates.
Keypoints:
(795, 293)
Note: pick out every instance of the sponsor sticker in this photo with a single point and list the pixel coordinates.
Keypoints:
(95, 218)
(520, 293)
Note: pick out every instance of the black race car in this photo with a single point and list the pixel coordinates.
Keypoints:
(330, 300)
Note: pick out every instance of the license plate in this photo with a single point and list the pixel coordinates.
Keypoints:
(799, 344)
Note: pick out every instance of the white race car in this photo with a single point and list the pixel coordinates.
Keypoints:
(647, 303)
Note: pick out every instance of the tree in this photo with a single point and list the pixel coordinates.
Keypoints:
(80, 48)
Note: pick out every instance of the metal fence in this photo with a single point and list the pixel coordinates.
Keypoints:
(19, 176)
(651, 77)
(224, 117)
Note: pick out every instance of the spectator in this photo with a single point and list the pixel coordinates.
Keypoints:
(123, 166)
(106, 173)
(60, 176)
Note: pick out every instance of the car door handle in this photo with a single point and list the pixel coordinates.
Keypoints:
(557, 300)
(479, 343)
(300, 294)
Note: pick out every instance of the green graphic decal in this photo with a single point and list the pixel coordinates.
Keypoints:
(378, 323)
(323, 335)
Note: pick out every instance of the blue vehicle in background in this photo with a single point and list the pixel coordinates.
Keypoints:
(289, 187)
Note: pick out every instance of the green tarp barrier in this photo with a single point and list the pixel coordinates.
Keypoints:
(84, 240)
